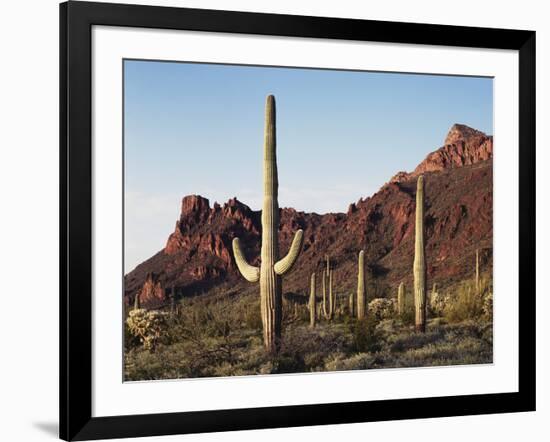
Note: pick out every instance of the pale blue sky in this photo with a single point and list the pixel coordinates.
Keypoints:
(198, 128)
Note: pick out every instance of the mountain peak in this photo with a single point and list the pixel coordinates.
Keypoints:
(194, 204)
(461, 132)
(463, 146)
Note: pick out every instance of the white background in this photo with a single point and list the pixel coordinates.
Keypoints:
(28, 226)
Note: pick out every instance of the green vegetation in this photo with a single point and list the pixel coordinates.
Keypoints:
(221, 335)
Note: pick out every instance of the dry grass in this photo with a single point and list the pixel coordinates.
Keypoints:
(222, 337)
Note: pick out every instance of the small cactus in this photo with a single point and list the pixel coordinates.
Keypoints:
(312, 302)
(136, 302)
(401, 299)
(351, 305)
(478, 285)
(419, 266)
(272, 268)
(331, 297)
(361, 295)
(324, 289)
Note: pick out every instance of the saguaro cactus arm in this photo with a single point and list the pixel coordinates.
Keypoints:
(250, 273)
(284, 265)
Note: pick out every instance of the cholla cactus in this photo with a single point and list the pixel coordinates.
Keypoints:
(312, 302)
(401, 299)
(271, 269)
(419, 266)
(438, 303)
(361, 295)
(148, 326)
(382, 308)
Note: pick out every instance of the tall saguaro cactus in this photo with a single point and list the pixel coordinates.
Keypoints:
(329, 310)
(401, 299)
(331, 297)
(477, 273)
(312, 302)
(419, 266)
(272, 268)
(361, 295)
(324, 291)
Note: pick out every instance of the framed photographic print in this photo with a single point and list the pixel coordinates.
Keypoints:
(273, 220)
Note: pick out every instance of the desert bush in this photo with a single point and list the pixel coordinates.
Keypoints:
(149, 326)
(340, 362)
(365, 336)
(130, 340)
(465, 304)
(488, 305)
(438, 303)
(408, 341)
(382, 308)
(253, 318)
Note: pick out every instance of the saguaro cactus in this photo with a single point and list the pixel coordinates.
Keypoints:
(351, 305)
(136, 301)
(271, 269)
(312, 302)
(477, 272)
(329, 303)
(419, 266)
(361, 295)
(331, 297)
(401, 299)
(324, 290)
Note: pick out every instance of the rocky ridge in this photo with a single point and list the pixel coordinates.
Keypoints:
(198, 258)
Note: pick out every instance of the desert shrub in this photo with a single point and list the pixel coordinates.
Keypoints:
(407, 317)
(488, 305)
(130, 340)
(465, 304)
(149, 326)
(340, 362)
(253, 317)
(438, 303)
(382, 308)
(365, 336)
(408, 341)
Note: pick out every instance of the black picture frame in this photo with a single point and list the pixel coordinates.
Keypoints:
(76, 21)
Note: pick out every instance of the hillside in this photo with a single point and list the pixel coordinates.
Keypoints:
(197, 258)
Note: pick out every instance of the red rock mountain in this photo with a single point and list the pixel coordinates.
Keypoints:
(198, 259)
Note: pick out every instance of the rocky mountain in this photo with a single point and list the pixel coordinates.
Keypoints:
(197, 258)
